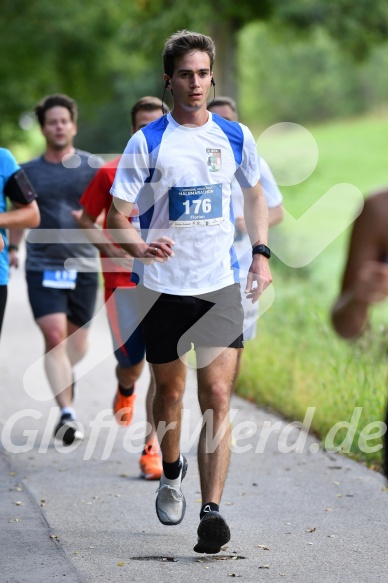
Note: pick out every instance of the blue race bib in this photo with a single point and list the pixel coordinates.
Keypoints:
(59, 279)
(195, 205)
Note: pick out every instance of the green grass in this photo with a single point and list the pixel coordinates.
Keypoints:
(297, 361)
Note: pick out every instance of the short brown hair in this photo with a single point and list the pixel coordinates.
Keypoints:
(58, 99)
(183, 42)
(147, 103)
(223, 100)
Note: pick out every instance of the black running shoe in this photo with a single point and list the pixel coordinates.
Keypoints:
(68, 430)
(213, 533)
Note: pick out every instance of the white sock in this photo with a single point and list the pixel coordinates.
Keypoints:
(69, 411)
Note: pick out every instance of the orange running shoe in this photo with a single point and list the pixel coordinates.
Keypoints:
(123, 408)
(150, 462)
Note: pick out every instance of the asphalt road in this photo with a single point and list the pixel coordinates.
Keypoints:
(83, 514)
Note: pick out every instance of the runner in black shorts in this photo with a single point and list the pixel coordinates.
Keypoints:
(179, 170)
(175, 323)
(62, 301)
(77, 304)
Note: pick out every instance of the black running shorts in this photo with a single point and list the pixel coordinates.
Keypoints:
(173, 323)
(78, 304)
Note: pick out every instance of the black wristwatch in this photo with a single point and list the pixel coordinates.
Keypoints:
(262, 249)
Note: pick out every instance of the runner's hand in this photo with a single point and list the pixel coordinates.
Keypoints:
(259, 277)
(371, 285)
(159, 251)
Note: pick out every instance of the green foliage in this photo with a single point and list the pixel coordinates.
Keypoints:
(285, 78)
(58, 47)
(297, 361)
(355, 26)
(107, 53)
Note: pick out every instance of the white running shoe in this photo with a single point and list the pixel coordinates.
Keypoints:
(170, 502)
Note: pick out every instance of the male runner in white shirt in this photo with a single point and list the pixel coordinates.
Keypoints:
(179, 171)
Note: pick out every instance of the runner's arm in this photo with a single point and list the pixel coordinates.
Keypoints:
(365, 279)
(127, 237)
(256, 220)
(275, 215)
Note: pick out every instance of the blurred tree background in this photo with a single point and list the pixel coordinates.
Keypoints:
(303, 60)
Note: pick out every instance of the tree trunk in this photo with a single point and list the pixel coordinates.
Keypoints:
(224, 34)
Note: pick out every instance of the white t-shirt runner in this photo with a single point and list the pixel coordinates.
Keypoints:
(273, 198)
(242, 243)
(180, 177)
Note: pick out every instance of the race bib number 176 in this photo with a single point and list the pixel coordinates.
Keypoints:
(195, 205)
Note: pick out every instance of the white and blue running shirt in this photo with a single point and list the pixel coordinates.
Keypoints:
(273, 196)
(180, 177)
